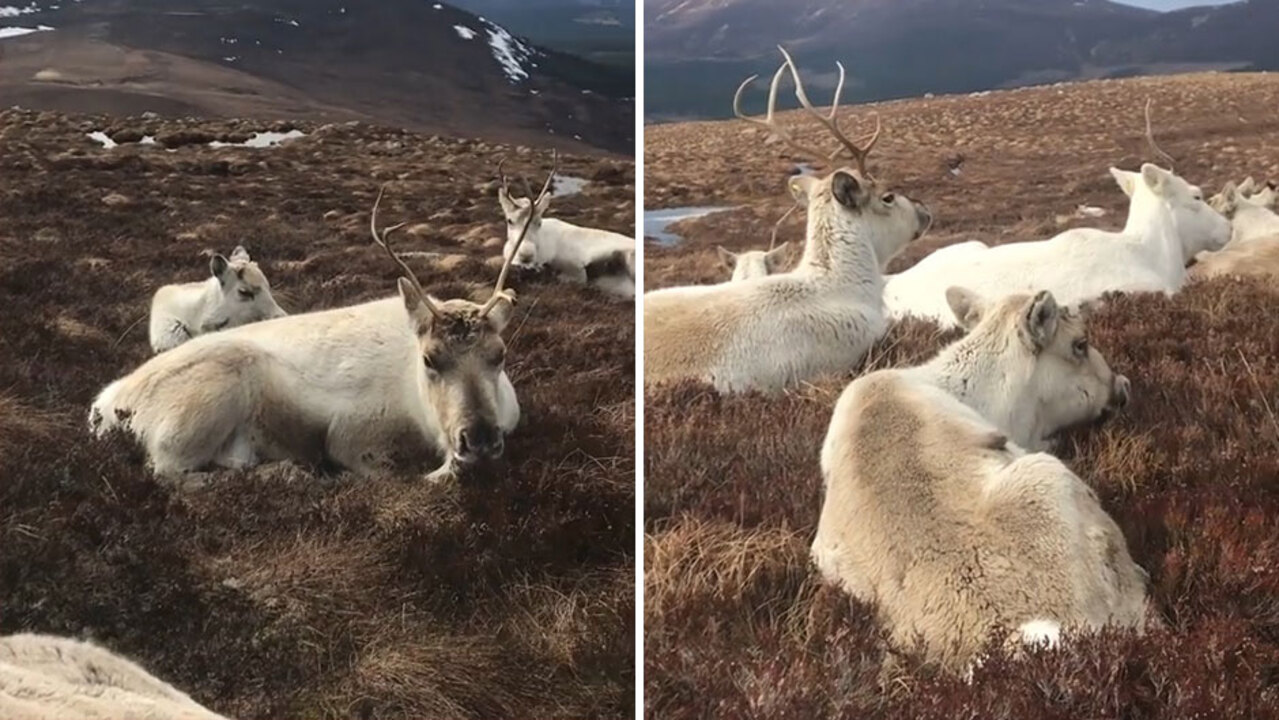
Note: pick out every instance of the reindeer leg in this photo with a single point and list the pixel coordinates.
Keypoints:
(446, 473)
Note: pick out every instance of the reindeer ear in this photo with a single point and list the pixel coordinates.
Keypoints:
(218, 266)
(801, 187)
(727, 258)
(967, 306)
(413, 302)
(508, 205)
(1127, 180)
(500, 316)
(848, 190)
(773, 258)
(1248, 186)
(1155, 178)
(1039, 321)
(239, 253)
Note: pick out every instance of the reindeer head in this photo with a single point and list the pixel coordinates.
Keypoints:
(847, 197)
(524, 220)
(1199, 226)
(1050, 369)
(462, 352)
(244, 293)
(752, 264)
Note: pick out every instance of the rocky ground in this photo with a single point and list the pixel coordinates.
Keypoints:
(280, 592)
(737, 623)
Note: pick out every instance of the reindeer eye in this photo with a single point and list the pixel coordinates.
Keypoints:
(1080, 347)
(246, 293)
(888, 198)
(499, 356)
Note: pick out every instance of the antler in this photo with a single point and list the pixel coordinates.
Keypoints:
(499, 289)
(773, 243)
(858, 152)
(1150, 136)
(381, 240)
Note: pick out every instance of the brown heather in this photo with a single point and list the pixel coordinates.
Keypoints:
(738, 624)
(286, 592)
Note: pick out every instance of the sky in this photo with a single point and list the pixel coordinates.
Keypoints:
(1173, 4)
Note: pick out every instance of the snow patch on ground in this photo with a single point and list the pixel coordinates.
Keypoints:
(10, 11)
(9, 32)
(102, 139)
(464, 32)
(509, 52)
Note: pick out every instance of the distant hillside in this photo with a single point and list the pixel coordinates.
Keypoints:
(696, 51)
(423, 65)
(599, 30)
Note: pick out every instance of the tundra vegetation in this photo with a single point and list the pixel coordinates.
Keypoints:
(739, 622)
(282, 590)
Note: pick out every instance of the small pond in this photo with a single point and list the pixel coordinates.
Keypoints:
(656, 222)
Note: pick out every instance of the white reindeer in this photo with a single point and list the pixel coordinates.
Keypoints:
(1250, 216)
(821, 317)
(752, 264)
(43, 677)
(1168, 224)
(339, 385)
(939, 511)
(570, 250)
(1256, 257)
(237, 293)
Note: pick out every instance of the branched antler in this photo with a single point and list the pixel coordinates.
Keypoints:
(408, 273)
(857, 151)
(499, 289)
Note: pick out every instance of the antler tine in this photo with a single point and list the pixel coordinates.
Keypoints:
(499, 288)
(856, 152)
(381, 240)
(768, 122)
(1150, 136)
(501, 176)
(777, 226)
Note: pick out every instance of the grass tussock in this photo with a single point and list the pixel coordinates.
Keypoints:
(283, 592)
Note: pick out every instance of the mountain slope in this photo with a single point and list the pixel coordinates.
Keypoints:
(698, 50)
(423, 65)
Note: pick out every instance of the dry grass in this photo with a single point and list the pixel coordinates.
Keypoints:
(737, 623)
(282, 592)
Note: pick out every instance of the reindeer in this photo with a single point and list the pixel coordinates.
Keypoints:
(939, 510)
(236, 293)
(336, 385)
(1168, 224)
(1256, 257)
(1251, 217)
(772, 332)
(753, 264)
(576, 253)
(43, 677)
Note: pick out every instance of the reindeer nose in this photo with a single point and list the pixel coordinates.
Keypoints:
(1119, 391)
(479, 440)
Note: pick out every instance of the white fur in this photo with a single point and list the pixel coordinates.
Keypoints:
(1168, 224)
(51, 678)
(181, 312)
(752, 264)
(345, 378)
(559, 245)
(772, 332)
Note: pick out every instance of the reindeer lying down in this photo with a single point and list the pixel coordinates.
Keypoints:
(43, 677)
(938, 508)
(236, 293)
(336, 385)
(580, 254)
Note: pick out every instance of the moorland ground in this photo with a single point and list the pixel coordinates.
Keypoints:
(284, 591)
(738, 624)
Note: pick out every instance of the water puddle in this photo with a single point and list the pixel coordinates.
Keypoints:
(262, 139)
(656, 222)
